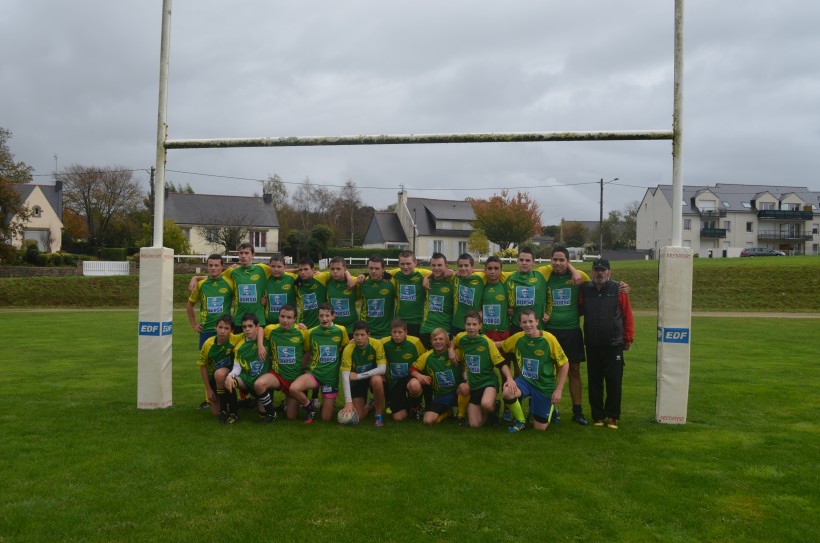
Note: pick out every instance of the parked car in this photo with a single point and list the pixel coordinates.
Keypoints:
(761, 251)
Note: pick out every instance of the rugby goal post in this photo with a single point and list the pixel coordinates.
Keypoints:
(155, 334)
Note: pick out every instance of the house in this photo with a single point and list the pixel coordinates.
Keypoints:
(723, 219)
(201, 215)
(425, 226)
(45, 223)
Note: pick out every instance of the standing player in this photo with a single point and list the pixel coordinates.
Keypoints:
(540, 357)
(378, 294)
(401, 350)
(565, 323)
(480, 357)
(251, 369)
(494, 301)
(363, 363)
(280, 289)
(469, 292)
(342, 294)
(289, 349)
(214, 294)
(311, 291)
(410, 296)
(527, 289)
(438, 311)
(215, 362)
(435, 369)
(326, 343)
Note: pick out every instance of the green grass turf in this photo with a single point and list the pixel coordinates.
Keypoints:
(727, 284)
(81, 463)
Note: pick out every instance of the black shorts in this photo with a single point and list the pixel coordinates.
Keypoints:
(413, 329)
(572, 341)
(477, 394)
(359, 389)
(397, 395)
(425, 340)
(443, 403)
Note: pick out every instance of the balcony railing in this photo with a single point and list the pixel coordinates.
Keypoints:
(712, 212)
(713, 232)
(784, 235)
(785, 215)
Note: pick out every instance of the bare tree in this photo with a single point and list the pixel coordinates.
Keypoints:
(275, 186)
(100, 196)
(226, 230)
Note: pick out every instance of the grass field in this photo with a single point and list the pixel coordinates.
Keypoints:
(725, 284)
(81, 463)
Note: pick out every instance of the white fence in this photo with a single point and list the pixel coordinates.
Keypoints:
(95, 267)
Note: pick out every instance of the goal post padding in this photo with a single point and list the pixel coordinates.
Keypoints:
(155, 330)
(674, 337)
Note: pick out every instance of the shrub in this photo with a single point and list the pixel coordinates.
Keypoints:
(9, 254)
(56, 259)
(510, 252)
(32, 252)
(113, 253)
(42, 259)
(359, 252)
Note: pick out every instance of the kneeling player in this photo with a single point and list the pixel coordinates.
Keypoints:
(481, 357)
(401, 351)
(326, 343)
(363, 363)
(436, 370)
(251, 368)
(289, 348)
(215, 363)
(540, 357)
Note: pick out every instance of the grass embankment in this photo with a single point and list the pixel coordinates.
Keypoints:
(789, 284)
(83, 464)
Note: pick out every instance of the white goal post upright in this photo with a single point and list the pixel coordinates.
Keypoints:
(157, 303)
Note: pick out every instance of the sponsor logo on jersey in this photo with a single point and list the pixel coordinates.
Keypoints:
(384, 292)
(286, 355)
(436, 303)
(375, 307)
(481, 348)
(539, 352)
(529, 367)
(561, 297)
(247, 294)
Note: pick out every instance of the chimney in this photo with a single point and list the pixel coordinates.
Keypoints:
(267, 198)
(58, 186)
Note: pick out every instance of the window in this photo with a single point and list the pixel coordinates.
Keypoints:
(815, 228)
(260, 239)
(765, 206)
(747, 205)
(36, 212)
(212, 235)
(687, 224)
(749, 226)
(437, 246)
(187, 233)
(707, 205)
(793, 207)
(462, 247)
(727, 225)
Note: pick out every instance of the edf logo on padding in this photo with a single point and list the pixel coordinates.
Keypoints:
(152, 328)
(673, 335)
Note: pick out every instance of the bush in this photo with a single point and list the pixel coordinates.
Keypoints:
(42, 259)
(9, 254)
(32, 252)
(56, 259)
(114, 253)
(510, 252)
(69, 260)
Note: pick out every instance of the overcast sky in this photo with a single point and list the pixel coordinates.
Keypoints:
(80, 81)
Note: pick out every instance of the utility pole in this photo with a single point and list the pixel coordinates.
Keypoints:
(601, 222)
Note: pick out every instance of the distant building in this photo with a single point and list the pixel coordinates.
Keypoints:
(45, 224)
(425, 226)
(726, 218)
(199, 215)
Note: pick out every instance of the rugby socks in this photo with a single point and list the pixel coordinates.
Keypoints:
(222, 397)
(576, 409)
(515, 409)
(463, 402)
(266, 402)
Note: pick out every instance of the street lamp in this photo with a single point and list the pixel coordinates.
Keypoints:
(601, 219)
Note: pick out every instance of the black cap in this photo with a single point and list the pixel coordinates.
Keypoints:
(601, 263)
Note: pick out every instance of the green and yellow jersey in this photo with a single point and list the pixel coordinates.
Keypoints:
(250, 282)
(246, 354)
(562, 302)
(378, 305)
(362, 359)
(309, 295)
(480, 357)
(468, 297)
(445, 376)
(326, 346)
(538, 359)
(286, 349)
(280, 291)
(528, 291)
(215, 298)
(215, 355)
(494, 307)
(343, 299)
(400, 356)
(438, 311)
(410, 295)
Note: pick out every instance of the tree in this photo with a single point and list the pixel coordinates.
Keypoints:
(573, 233)
(172, 237)
(10, 203)
(553, 231)
(313, 203)
(226, 230)
(478, 243)
(349, 202)
(100, 196)
(275, 186)
(319, 241)
(507, 221)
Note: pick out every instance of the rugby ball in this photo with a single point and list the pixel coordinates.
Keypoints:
(350, 418)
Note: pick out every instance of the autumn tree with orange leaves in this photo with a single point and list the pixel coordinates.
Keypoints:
(507, 220)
